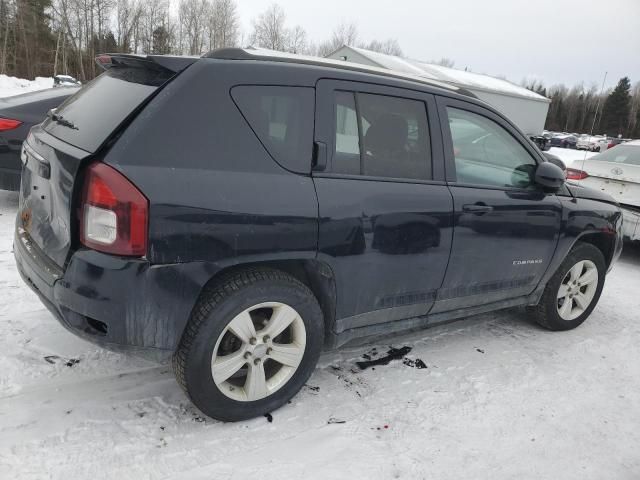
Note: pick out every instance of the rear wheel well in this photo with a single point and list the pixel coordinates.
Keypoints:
(604, 243)
(317, 276)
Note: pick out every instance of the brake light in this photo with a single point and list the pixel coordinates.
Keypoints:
(9, 124)
(114, 213)
(575, 174)
(104, 61)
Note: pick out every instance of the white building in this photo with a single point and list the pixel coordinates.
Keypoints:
(525, 108)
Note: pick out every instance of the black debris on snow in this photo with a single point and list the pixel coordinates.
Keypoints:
(392, 354)
(417, 363)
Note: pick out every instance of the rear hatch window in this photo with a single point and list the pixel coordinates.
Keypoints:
(625, 154)
(89, 117)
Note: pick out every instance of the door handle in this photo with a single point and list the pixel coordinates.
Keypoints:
(319, 156)
(477, 208)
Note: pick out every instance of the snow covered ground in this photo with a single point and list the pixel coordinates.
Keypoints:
(499, 398)
(10, 86)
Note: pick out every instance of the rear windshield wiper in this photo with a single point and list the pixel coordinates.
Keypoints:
(59, 119)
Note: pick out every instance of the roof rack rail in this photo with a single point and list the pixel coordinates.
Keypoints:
(274, 56)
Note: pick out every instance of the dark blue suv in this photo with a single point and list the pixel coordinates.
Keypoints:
(239, 212)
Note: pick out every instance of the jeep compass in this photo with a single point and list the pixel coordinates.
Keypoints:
(239, 212)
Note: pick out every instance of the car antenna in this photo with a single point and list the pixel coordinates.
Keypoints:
(595, 116)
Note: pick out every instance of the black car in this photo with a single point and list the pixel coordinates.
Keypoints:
(563, 141)
(240, 212)
(17, 115)
(542, 142)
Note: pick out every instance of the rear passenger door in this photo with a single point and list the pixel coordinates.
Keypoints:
(506, 227)
(385, 210)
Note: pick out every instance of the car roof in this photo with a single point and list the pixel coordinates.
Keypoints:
(291, 58)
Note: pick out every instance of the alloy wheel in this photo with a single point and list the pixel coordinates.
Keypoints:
(258, 351)
(577, 290)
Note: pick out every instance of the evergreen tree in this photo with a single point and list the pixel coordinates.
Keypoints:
(161, 41)
(615, 112)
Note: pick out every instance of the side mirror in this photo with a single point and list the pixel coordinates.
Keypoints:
(549, 176)
(551, 158)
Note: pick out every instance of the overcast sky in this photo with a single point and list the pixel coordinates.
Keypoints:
(557, 41)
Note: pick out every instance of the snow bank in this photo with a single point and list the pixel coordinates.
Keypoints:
(10, 86)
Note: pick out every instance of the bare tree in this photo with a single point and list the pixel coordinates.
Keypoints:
(389, 46)
(224, 24)
(7, 18)
(297, 40)
(347, 34)
(444, 62)
(128, 13)
(193, 21)
(269, 29)
(343, 34)
(154, 26)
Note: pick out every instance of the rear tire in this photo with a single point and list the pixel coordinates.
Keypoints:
(574, 290)
(251, 343)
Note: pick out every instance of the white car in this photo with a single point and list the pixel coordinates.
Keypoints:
(65, 81)
(616, 172)
(593, 144)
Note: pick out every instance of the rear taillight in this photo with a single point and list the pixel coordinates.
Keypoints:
(575, 174)
(9, 124)
(114, 213)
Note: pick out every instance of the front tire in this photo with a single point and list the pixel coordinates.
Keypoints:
(251, 343)
(574, 290)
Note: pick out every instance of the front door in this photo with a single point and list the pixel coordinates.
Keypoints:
(385, 210)
(505, 227)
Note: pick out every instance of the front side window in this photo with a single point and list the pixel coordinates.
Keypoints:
(486, 154)
(381, 136)
(282, 118)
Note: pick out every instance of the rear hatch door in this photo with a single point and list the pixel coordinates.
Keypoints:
(77, 131)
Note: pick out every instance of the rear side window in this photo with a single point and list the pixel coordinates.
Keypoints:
(88, 118)
(346, 158)
(282, 119)
(381, 136)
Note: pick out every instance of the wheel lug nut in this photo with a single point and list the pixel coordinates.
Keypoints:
(247, 355)
(266, 338)
(257, 361)
(269, 350)
(253, 341)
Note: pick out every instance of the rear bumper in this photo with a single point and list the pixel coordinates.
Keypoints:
(122, 304)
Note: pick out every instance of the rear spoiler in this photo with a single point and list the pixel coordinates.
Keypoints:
(172, 63)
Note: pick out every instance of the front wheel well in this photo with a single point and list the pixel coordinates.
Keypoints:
(604, 243)
(316, 275)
